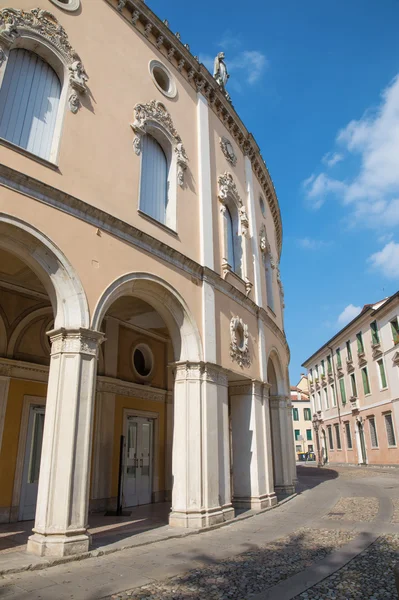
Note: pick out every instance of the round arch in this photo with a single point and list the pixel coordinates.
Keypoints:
(57, 275)
(24, 324)
(276, 370)
(166, 301)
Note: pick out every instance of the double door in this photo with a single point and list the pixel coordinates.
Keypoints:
(138, 461)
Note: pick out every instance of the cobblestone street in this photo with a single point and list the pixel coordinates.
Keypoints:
(337, 539)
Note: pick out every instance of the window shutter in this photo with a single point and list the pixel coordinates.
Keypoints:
(342, 388)
(382, 373)
(154, 180)
(390, 430)
(366, 386)
(29, 101)
(230, 240)
(269, 283)
(373, 433)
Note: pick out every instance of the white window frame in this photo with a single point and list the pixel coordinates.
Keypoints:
(163, 138)
(376, 446)
(61, 61)
(385, 415)
(333, 395)
(348, 428)
(379, 374)
(326, 399)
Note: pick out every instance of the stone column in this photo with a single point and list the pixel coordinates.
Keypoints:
(252, 464)
(282, 470)
(200, 459)
(103, 449)
(290, 445)
(4, 385)
(63, 496)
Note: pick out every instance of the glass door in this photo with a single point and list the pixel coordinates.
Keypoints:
(33, 453)
(137, 485)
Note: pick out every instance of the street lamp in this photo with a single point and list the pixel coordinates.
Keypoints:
(316, 424)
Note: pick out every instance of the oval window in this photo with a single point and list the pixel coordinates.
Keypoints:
(143, 361)
(162, 78)
(67, 4)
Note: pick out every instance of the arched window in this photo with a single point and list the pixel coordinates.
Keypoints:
(269, 282)
(154, 180)
(29, 101)
(230, 240)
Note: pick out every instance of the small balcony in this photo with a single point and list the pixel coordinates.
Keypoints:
(349, 365)
(330, 377)
(361, 355)
(323, 380)
(376, 349)
(354, 402)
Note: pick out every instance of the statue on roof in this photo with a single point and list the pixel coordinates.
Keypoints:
(220, 73)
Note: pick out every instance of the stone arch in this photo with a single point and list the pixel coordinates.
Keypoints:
(57, 275)
(24, 324)
(166, 301)
(275, 374)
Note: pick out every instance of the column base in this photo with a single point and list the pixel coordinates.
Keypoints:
(255, 502)
(288, 490)
(198, 519)
(58, 545)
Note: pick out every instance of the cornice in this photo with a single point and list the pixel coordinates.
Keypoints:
(145, 22)
(42, 192)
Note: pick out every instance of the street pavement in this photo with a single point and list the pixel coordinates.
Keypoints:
(316, 545)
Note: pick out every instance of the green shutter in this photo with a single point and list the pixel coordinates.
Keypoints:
(329, 364)
(395, 331)
(295, 414)
(339, 362)
(309, 434)
(374, 333)
(366, 385)
(342, 388)
(354, 388)
(360, 347)
(382, 373)
(349, 351)
(297, 434)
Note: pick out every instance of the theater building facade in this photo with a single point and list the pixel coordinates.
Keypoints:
(140, 291)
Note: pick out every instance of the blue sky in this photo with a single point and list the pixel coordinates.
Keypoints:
(317, 83)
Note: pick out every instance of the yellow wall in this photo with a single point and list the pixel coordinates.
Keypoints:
(122, 402)
(8, 456)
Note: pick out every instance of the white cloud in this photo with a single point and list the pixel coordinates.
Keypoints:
(332, 158)
(248, 67)
(373, 189)
(387, 260)
(310, 244)
(349, 313)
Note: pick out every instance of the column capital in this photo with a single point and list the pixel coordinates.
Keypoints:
(75, 341)
(249, 386)
(203, 371)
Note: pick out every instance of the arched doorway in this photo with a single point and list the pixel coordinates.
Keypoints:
(48, 481)
(281, 427)
(191, 462)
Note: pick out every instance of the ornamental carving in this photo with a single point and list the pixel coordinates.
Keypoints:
(228, 151)
(155, 112)
(227, 188)
(43, 24)
(239, 345)
(265, 247)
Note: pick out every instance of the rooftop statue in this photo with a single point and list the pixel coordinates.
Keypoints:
(220, 73)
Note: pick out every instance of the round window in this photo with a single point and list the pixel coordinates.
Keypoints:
(162, 78)
(143, 361)
(67, 4)
(262, 206)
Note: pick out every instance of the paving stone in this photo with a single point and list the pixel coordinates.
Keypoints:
(355, 509)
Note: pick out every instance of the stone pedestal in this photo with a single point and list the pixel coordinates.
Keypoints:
(62, 503)
(200, 460)
(251, 442)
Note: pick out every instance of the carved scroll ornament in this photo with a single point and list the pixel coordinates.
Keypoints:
(239, 345)
(228, 189)
(155, 112)
(44, 25)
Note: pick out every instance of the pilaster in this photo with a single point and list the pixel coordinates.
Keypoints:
(281, 452)
(252, 464)
(62, 504)
(201, 473)
(4, 387)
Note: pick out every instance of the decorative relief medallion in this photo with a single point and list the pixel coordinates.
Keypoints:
(43, 24)
(228, 151)
(155, 112)
(239, 346)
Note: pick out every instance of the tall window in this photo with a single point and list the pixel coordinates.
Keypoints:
(317, 371)
(348, 350)
(323, 370)
(269, 282)
(295, 414)
(154, 180)
(326, 398)
(337, 436)
(231, 258)
(309, 434)
(29, 101)
(297, 434)
(310, 375)
(342, 390)
(339, 361)
(348, 435)
(333, 396)
(390, 429)
(395, 331)
(373, 433)
(366, 383)
(330, 437)
(375, 338)
(360, 346)
(318, 400)
(329, 367)
(307, 414)
(381, 372)
(353, 385)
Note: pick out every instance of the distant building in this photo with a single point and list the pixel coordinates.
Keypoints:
(302, 416)
(354, 388)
